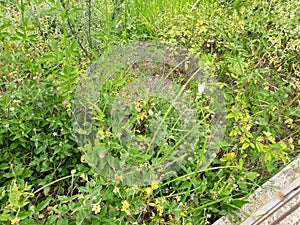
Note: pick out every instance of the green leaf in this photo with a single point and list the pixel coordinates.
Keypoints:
(4, 166)
(113, 213)
(251, 175)
(294, 112)
(113, 162)
(44, 204)
(28, 222)
(51, 219)
(260, 147)
(245, 146)
(63, 222)
(239, 203)
(4, 217)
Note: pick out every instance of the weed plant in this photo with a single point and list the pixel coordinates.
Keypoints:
(46, 49)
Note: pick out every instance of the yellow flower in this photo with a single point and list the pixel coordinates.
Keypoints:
(141, 117)
(125, 206)
(116, 190)
(157, 205)
(148, 190)
(73, 171)
(152, 216)
(96, 208)
(102, 134)
(135, 187)
(154, 185)
(15, 221)
(242, 139)
(199, 22)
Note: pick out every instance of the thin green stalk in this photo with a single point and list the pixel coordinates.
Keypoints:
(107, 25)
(89, 23)
(195, 173)
(74, 33)
(206, 205)
(168, 111)
(199, 171)
(23, 20)
(53, 182)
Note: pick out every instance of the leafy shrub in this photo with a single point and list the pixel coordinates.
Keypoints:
(45, 48)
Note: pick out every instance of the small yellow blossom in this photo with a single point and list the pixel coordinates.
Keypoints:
(102, 134)
(152, 216)
(80, 196)
(73, 171)
(242, 139)
(116, 190)
(15, 221)
(148, 190)
(141, 117)
(154, 185)
(157, 205)
(96, 208)
(199, 22)
(125, 206)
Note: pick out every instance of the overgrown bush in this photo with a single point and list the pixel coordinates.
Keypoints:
(46, 47)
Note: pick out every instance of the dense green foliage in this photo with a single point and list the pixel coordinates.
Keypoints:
(46, 46)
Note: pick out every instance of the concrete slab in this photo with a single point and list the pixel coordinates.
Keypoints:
(276, 202)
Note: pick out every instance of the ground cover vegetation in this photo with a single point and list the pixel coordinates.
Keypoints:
(46, 48)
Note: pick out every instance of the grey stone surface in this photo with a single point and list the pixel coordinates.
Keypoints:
(273, 203)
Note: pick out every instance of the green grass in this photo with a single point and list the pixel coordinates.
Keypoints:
(47, 47)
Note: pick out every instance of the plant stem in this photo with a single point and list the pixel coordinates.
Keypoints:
(196, 172)
(53, 182)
